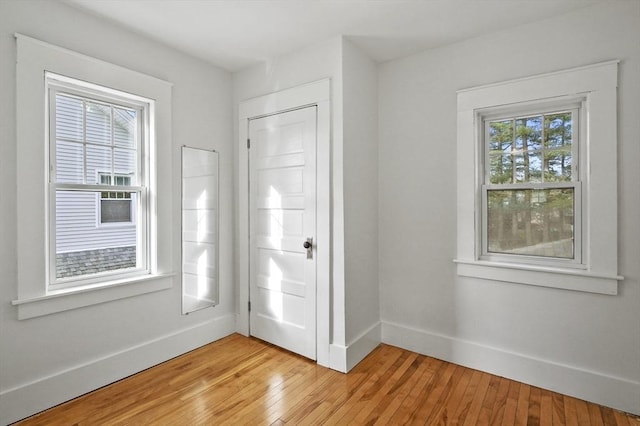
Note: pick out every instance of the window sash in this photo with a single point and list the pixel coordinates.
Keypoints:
(142, 247)
(575, 139)
(576, 262)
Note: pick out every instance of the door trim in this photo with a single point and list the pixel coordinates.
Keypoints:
(313, 94)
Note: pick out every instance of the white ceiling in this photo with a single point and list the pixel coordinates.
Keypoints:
(234, 34)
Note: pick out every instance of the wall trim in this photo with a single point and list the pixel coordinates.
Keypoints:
(611, 391)
(338, 358)
(31, 398)
(344, 358)
(362, 345)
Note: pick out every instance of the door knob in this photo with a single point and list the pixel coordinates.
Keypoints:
(309, 246)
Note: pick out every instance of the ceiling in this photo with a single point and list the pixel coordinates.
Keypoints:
(234, 34)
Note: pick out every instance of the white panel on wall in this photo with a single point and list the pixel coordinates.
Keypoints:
(199, 229)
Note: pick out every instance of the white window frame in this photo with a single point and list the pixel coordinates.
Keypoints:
(576, 107)
(595, 88)
(34, 296)
(57, 84)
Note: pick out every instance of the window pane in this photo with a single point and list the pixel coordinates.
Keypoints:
(533, 166)
(501, 168)
(69, 162)
(115, 210)
(500, 136)
(124, 127)
(558, 141)
(68, 118)
(529, 134)
(82, 248)
(98, 123)
(528, 168)
(531, 222)
(98, 162)
(559, 162)
(125, 164)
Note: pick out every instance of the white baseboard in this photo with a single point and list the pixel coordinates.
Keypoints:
(31, 398)
(344, 358)
(338, 358)
(610, 391)
(362, 345)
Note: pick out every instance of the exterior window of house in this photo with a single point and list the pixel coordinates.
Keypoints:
(97, 151)
(531, 204)
(115, 206)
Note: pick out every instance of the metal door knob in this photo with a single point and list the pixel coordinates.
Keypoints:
(309, 246)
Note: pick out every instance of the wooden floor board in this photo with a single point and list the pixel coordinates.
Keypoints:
(239, 380)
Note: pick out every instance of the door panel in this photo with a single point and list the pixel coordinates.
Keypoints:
(282, 209)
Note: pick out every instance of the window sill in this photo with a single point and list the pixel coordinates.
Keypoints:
(562, 278)
(68, 299)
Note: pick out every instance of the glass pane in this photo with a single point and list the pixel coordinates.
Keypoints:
(500, 136)
(98, 162)
(529, 134)
(116, 210)
(124, 161)
(533, 166)
(513, 168)
(124, 127)
(531, 222)
(82, 248)
(558, 130)
(559, 163)
(98, 123)
(68, 118)
(500, 168)
(558, 141)
(69, 162)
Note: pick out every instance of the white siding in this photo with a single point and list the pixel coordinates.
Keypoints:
(77, 226)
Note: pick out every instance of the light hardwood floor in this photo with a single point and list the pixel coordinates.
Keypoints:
(239, 380)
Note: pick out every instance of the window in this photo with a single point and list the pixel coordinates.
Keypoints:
(531, 204)
(97, 149)
(115, 206)
(91, 137)
(537, 178)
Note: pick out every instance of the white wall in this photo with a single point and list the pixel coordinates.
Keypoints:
(360, 153)
(577, 343)
(46, 360)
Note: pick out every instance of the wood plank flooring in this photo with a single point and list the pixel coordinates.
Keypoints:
(239, 380)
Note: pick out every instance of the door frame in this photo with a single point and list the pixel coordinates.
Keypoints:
(316, 94)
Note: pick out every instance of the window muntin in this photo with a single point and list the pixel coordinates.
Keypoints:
(531, 194)
(98, 150)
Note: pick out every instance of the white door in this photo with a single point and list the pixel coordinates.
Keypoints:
(282, 216)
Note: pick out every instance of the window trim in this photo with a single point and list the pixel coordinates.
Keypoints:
(34, 298)
(597, 84)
